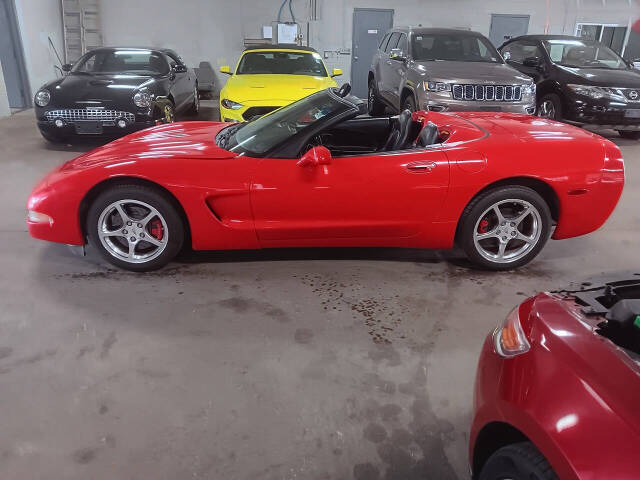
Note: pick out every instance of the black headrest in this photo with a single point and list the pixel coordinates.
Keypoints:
(428, 135)
(404, 127)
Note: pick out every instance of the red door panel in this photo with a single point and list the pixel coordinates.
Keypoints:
(356, 200)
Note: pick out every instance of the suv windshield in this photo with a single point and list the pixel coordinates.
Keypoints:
(263, 134)
(140, 62)
(452, 47)
(283, 63)
(583, 53)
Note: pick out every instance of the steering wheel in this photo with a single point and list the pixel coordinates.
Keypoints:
(344, 90)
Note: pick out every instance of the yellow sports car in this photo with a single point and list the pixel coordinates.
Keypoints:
(268, 77)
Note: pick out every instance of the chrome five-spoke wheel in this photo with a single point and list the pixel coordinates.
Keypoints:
(132, 231)
(507, 230)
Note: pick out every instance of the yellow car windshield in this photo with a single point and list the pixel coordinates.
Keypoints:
(281, 63)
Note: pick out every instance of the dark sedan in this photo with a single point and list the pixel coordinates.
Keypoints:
(115, 91)
(579, 81)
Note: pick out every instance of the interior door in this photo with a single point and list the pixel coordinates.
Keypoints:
(369, 26)
(505, 27)
(354, 201)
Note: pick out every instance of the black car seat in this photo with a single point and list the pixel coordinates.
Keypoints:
(399, 133)
(428, 136)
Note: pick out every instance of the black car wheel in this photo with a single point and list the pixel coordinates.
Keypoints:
(375, 107)
(520, 461)
(135, 227)
(195, 106)
(52, 138)
(630, 134)
(550, 107)
(408, 104)
(504, 228)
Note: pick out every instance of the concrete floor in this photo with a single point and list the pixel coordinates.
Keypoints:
(314, 364)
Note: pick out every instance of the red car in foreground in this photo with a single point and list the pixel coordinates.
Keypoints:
(557, 392)
(315, 173)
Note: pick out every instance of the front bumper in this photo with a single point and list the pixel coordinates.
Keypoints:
(444, 103)
(603, 113)
(251, 109)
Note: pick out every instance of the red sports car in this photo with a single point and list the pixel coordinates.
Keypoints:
(558, 386)
(316, 173)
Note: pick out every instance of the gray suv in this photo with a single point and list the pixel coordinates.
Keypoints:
(442, 69)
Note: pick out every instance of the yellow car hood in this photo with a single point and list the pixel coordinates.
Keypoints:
(288, 88)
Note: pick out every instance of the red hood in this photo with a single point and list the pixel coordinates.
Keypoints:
(177, 140)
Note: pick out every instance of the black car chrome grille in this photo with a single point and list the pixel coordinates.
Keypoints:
(489, 93)
(76, 114)
(257, 111)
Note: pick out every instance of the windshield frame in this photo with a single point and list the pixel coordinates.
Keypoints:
(311, 129)
(272, 50)
(587, 43)
(485, 41)
(83, 60)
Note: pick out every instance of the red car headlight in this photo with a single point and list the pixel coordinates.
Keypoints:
(509, 338)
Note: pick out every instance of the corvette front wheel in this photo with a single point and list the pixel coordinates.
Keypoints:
(505, 228)
(135, 227)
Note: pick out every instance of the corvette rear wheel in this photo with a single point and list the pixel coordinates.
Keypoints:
(520, 461)
(135, 227)
(505, 228)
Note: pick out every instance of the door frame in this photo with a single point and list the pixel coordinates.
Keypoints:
(353, 28)
(521, 15)
(14, 32)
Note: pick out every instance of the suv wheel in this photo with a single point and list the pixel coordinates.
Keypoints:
(375, 107)
(408, 104)
(550, 107)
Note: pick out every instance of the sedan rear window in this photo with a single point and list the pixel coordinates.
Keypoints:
(283, 63)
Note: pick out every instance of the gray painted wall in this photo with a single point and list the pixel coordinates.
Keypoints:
(4, 99)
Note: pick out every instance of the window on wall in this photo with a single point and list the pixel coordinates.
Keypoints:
(613, 36)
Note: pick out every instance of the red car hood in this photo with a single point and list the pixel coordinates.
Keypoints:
(175, 140)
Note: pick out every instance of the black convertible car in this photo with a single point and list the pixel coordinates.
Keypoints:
(114, 91)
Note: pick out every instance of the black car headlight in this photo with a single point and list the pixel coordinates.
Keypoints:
(226, 103)
(43, 97)
(596, 93)
(142, 99)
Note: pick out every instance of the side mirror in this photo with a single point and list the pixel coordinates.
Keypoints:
(67, 67)
(316, 156)
(533, 62)
(177, 68)
(397, 54)
(336, 72)
(225, 69)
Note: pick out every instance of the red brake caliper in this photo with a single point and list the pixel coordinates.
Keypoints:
(482, 228)
(156, 229)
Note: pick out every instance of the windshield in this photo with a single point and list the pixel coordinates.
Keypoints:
(139, 62)
(453, 47)
(261, 135)
(583, 53)
(284, 63)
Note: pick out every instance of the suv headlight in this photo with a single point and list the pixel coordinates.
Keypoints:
(597, 92)
(142, 99)
(226, 103)
(529, 89)
(43, 97)
(437, 87)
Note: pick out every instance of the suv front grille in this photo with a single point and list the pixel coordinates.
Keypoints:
(488, 93)
(257, 111)
(75, 114)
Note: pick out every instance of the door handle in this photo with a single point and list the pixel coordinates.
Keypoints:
(421, 167)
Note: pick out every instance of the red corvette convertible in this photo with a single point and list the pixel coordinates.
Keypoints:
(315, 173)
(557, 389)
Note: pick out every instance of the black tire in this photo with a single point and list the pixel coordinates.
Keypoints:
(375, 106)
(630, 134)
(163, 203)
(552, 101)
(51, 138)
(408, 104)
(195, 106)
(520, 461)
(536, 225)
